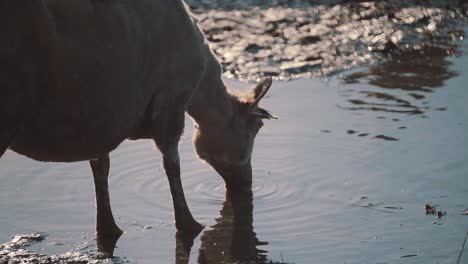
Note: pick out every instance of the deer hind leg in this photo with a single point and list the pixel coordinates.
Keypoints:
(167, 139)
(12, 108)
(105, 223)
(8, 130)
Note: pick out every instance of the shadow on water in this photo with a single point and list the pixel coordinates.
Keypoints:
(405, 80)
(231, 240)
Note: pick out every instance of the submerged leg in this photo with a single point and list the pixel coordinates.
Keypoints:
(105, 223)
(183, 218)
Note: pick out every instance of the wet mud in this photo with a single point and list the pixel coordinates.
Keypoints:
(15, 251)
(291, 39)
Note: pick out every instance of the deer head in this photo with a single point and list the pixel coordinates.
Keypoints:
(228, 147)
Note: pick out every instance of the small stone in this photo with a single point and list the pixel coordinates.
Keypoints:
(301, 66)
(386, 138)
(311, 39)
(440, 214)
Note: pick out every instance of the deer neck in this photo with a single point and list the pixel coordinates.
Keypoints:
(211, 105)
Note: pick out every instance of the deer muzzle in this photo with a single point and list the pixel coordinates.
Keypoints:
(237, 178)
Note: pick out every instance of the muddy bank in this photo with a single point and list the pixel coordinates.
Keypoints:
(292, 39)
(15, 251)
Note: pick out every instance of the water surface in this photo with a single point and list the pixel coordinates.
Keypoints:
(341, 177)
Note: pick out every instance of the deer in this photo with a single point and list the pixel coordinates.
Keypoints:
(79, 77)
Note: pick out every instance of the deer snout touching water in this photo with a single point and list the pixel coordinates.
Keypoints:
(79, 77)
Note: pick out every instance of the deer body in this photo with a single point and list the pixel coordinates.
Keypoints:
(107, 70)
(79, 77)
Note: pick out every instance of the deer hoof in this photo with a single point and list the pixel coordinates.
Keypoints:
(190, 227)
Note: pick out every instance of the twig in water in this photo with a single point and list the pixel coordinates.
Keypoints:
(462, 248)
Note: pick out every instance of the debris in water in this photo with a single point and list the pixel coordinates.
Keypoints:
(57, 244)
(386, 138)
(432, 210)
(440, 214)
(368, 205)
(409, 256)
(394, 207)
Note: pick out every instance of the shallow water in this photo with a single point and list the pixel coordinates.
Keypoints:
(341, 177)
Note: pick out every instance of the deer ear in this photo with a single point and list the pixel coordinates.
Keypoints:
(259, 91)
(262, 113)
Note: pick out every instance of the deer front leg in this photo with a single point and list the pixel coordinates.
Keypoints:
(8, 123)
(3, 148)
(4, 144)
(6, 137)
(183, 218)
(106, 228)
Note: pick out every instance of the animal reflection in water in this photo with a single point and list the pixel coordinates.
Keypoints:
(403, 81)
(231, 240)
